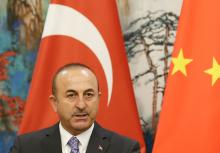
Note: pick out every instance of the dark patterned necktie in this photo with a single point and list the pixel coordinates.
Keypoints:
(74, 145)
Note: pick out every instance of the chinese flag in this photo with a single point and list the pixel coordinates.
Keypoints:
(86, 32)
(189, 121)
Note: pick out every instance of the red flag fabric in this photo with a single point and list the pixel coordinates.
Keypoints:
(87, 32)
(189, 121)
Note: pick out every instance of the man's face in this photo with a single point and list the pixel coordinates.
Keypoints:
(77, 99)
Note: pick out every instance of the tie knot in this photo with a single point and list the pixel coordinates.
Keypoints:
(74, 144)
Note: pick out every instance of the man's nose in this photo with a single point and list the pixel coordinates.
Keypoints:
(81, 103)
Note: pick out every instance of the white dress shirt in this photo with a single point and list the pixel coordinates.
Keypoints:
(83, 139)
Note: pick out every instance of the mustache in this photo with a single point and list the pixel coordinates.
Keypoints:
(80, 113)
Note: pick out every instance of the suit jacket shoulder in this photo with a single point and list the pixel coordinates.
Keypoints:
(106, 141)
(43, 141)
(48, 141)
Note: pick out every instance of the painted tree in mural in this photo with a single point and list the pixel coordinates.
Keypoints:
(11, 108)
(21, 24)
(152, 36)
(26, 21)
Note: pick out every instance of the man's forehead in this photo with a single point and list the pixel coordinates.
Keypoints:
(77, 74)
(77, 70)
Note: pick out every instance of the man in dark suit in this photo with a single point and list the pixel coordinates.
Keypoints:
(75, 98)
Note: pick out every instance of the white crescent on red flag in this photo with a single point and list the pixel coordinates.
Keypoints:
(86, 32)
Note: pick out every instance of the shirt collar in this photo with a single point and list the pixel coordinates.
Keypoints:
(82, 137)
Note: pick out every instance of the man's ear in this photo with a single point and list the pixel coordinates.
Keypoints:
(53, 102)
(99, 94)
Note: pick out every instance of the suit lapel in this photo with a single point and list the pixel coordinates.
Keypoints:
(51, 143)
(99, 140)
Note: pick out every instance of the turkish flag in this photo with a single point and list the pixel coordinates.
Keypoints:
(189, 121)
(86, 32)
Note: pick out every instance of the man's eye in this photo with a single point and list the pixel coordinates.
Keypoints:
(89, 95)
(71, 95)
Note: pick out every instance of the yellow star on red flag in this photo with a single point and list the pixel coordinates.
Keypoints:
(214, 71)
(180, 63)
